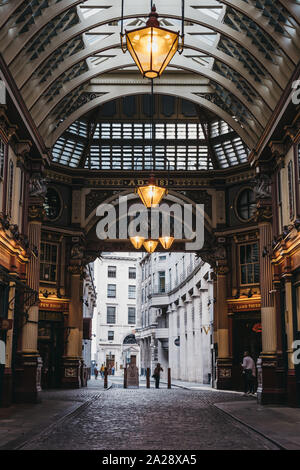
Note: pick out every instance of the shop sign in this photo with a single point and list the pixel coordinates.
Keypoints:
(244, 307)
(57, 306)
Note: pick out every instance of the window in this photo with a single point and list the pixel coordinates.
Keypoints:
(249, 264)
(111, 290)
(131, 315)
(132, 273)
(112, 271)
(162, 258)
(48, 262)
(170, 278)
(291, 189)
(246, 204)
(161, 281)
(110, 335)
(10, 188)
(131, 292)
(2, 157)
(279, 195)
(52, 204)
(111, 315)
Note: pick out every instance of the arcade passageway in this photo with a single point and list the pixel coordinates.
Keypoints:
(88, 135)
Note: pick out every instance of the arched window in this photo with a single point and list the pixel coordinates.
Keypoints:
(246, 204)
(129, 339)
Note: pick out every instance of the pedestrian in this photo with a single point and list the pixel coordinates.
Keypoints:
(249, 373)
(102, 370)
(156, 374)
(95, 372)
(113, 370)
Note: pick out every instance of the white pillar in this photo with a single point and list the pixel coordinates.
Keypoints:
(189, 340)
(197, 338)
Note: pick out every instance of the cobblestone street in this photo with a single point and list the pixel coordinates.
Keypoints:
(134, 419)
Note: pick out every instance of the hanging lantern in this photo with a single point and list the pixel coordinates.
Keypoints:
(166, 242)
(152, 47)
(151, 195)
(150, 245)
(137, 242)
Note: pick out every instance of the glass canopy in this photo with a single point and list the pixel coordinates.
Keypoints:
(118, 144)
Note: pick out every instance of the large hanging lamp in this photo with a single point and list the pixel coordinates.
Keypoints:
(152, 47)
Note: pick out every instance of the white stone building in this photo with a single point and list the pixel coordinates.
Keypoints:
(89, 303)
(175, 318)
(116, 284)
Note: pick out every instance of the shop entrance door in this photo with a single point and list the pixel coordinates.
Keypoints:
(51, 348)
(246, 337)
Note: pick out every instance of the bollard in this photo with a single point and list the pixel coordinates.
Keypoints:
(148, 377)
(105, 377)
(169, 377)
(125, 378)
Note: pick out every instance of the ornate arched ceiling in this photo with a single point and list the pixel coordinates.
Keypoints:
(65, 58)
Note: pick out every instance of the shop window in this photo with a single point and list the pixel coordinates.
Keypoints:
(131, 315)
(112, 271)
(249, 264)
(111, 290)
(48, 262)
(246, 204)
(131, 292)
(132, 273)
(111, 315)
(291, 189)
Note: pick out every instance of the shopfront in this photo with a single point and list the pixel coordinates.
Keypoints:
(51, 342)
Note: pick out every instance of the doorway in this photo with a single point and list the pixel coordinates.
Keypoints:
(110, 363)
(246, 337)
(51, 348)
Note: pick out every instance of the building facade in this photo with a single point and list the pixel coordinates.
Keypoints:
(175, 321)
(117, 284)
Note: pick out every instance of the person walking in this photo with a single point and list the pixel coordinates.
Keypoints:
(95, 372)
(249, 372)
(156, 374)
(102, 371)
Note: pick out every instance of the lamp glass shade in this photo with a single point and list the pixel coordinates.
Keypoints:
(166, 242)
(137, 242)
(152, 49)
(150, 245)
(151, 195)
